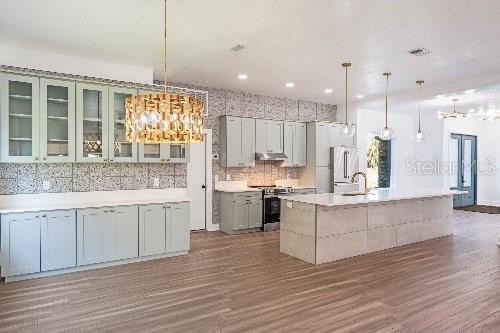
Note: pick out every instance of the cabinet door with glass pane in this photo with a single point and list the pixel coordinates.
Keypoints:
(119, 149)
(176, 153)
(57, 121)
(92, 130)
(19, 118)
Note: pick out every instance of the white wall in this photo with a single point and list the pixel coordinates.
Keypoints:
(403, 119)
(36, 59)
(488, 151)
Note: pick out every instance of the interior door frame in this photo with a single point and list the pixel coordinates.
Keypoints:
(457, 199)
(209, 226)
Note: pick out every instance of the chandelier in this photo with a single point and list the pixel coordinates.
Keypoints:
(454, 114)
(386, 133)
(164, 117)
(347, 130)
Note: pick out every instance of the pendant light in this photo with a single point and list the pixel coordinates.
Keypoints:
(386, 133)
(347, 130)
(164, 117)
(420, 136)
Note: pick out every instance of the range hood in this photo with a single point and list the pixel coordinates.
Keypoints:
(270, 156)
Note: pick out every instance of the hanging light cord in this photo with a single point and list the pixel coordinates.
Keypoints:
(419, 104)
(386, 92)
(165, 50)
(346, 68)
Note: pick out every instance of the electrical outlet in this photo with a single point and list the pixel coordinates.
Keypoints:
(156, 182)
(228, 176)
(215, 156)
(287, 176)
(46, 185)
(289, 205)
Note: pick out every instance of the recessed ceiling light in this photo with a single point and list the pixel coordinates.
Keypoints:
(360, 96)
(328, 91)
(470, 91)
(242, 76)
(290, 85)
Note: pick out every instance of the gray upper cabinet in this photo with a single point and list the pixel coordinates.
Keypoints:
(237, 141)
(92, 123)
(20, 112)
(57, 121)
(268, 136)
(119, 149)
(295, 144)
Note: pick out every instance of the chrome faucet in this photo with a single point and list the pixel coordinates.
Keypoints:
(366, 180)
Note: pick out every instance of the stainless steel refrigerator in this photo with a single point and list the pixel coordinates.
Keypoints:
(344, 162)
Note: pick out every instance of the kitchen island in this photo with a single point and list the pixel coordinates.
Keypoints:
(320, 228)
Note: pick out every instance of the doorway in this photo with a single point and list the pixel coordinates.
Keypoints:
(199, 183)
(463, 159)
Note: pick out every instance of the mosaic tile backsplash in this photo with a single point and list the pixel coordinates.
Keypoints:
(81, 177)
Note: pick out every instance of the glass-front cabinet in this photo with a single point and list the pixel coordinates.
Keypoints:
(57, 119)
(119, 149)
(19, 118)
(92, 123)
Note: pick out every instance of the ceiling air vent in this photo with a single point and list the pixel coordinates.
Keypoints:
(238, 47)
(419, 52)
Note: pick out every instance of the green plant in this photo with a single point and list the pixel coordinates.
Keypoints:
(372, 153)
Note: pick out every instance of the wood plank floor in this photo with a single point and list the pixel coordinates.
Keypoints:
(242, 283)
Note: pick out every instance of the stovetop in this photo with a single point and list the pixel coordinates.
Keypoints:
(273, 189)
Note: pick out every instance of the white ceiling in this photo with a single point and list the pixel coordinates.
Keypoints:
(303, 41)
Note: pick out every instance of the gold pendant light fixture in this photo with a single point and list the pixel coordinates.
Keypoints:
(420, 136)
(347, 130)
(164, 117)
(386, 133)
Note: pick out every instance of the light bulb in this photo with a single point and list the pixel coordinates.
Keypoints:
(346, 129)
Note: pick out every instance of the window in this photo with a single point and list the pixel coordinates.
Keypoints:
(378, 160)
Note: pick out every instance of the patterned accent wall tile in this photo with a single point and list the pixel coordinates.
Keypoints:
(8, 170)
(81, 183)
(48, 170)
(326, 112)
(159, 170)
(216, 102)
(25, 185)
(307, 111)
(8, 186)
(57, 185)
(275, 108)
(292, 110)
(180, 169)
(26, 170)
(127, 183)
(180, 181)
(235, 103)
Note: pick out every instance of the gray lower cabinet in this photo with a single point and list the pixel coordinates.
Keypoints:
(305, 191)
(163, 228)
(106, 234)
(20, 244)
(240, 211)
(58, 240)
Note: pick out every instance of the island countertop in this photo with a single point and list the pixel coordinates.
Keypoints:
(374, 196)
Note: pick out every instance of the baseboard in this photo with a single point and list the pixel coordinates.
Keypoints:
(489, 203)
(92, 266)
(213, 227)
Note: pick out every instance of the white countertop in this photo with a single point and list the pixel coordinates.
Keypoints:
(331, 199)
(77, 200)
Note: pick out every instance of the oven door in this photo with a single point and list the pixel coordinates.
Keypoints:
(272, 207)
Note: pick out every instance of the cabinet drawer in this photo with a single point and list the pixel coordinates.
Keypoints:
(248, 196)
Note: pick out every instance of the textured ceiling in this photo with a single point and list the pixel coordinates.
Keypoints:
(303, 41)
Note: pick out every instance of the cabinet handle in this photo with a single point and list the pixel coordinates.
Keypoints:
(162, 160)
(105, 210)
(44, 158)
(36, 158)
(111, 160)
(44, 215)
(168, 159)
(105, 160)
(37, 216)
(112, 210)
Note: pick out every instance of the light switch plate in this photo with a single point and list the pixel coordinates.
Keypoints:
(46, 185)
(289, 205)
(156, 182)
